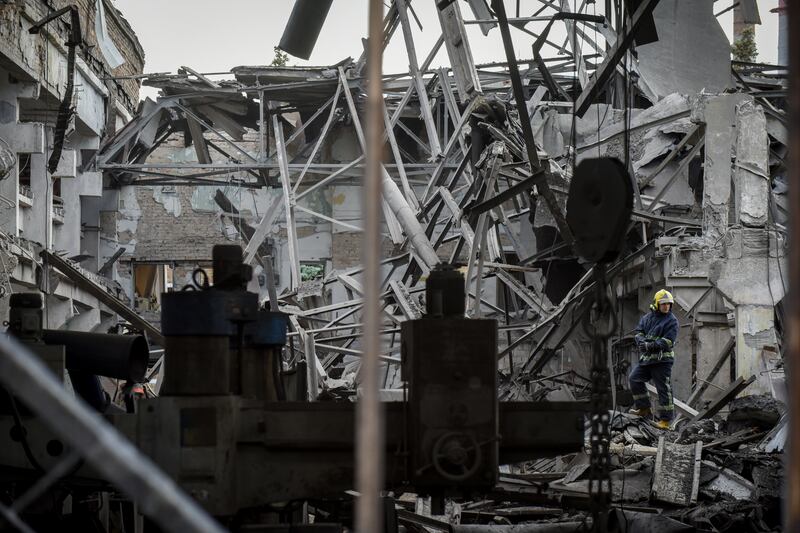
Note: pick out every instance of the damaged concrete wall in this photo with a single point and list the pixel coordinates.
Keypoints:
(180, 225)
(27, 50)
(58, 211)
(675, 62)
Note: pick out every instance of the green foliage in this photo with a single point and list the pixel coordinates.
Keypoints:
(310, 272)
(744, 49)
(281, 58)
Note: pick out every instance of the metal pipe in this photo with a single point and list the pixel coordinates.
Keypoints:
(792, 509)
(370, 420)
(783, 32)
(305, 24)
(111, 454)
(113, 356)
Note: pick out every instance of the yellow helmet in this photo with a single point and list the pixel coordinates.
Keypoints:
(662, 297)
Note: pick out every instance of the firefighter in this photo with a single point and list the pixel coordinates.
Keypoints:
(655, 337)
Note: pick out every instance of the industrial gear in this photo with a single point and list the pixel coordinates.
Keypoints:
(662, 297)
(645, 348)
(655, 337)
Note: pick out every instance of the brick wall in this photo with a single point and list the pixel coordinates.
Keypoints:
(162, 236)
(124, 39)
(346, 249)
(123, 36)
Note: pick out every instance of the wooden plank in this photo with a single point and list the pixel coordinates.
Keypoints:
(721, 358)
(676, 475)
(698, 460)
(682, 408)
(730, 393)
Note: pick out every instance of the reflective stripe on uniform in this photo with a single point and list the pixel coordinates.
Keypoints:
(657, 356)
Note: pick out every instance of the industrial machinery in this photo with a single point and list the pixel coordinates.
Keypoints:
(223, 429)
(79, 356)
(450, 364)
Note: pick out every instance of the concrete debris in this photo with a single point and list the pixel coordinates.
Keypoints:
(673, 63)
(759, 411)
(718, 481)
(676, 473)
(664, 485)
(775, 440)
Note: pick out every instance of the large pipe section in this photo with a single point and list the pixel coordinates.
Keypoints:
(305, 24)
(783, 32)
(113, 356)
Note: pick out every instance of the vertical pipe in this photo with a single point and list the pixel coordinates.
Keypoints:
(783, 33)
(792, 508)
(369, 429)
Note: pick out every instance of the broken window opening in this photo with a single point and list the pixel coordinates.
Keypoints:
(58, 202)
(149, 282)
(24, 176)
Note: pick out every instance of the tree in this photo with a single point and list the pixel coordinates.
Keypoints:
(281, 58)
(744, 49)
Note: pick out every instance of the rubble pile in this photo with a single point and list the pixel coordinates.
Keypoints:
(711, 474)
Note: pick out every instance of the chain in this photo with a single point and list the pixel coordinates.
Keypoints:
(600, 435)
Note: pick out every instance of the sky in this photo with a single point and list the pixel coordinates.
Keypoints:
(216, 35)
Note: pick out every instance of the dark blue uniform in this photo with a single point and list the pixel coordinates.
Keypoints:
(656, 335)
